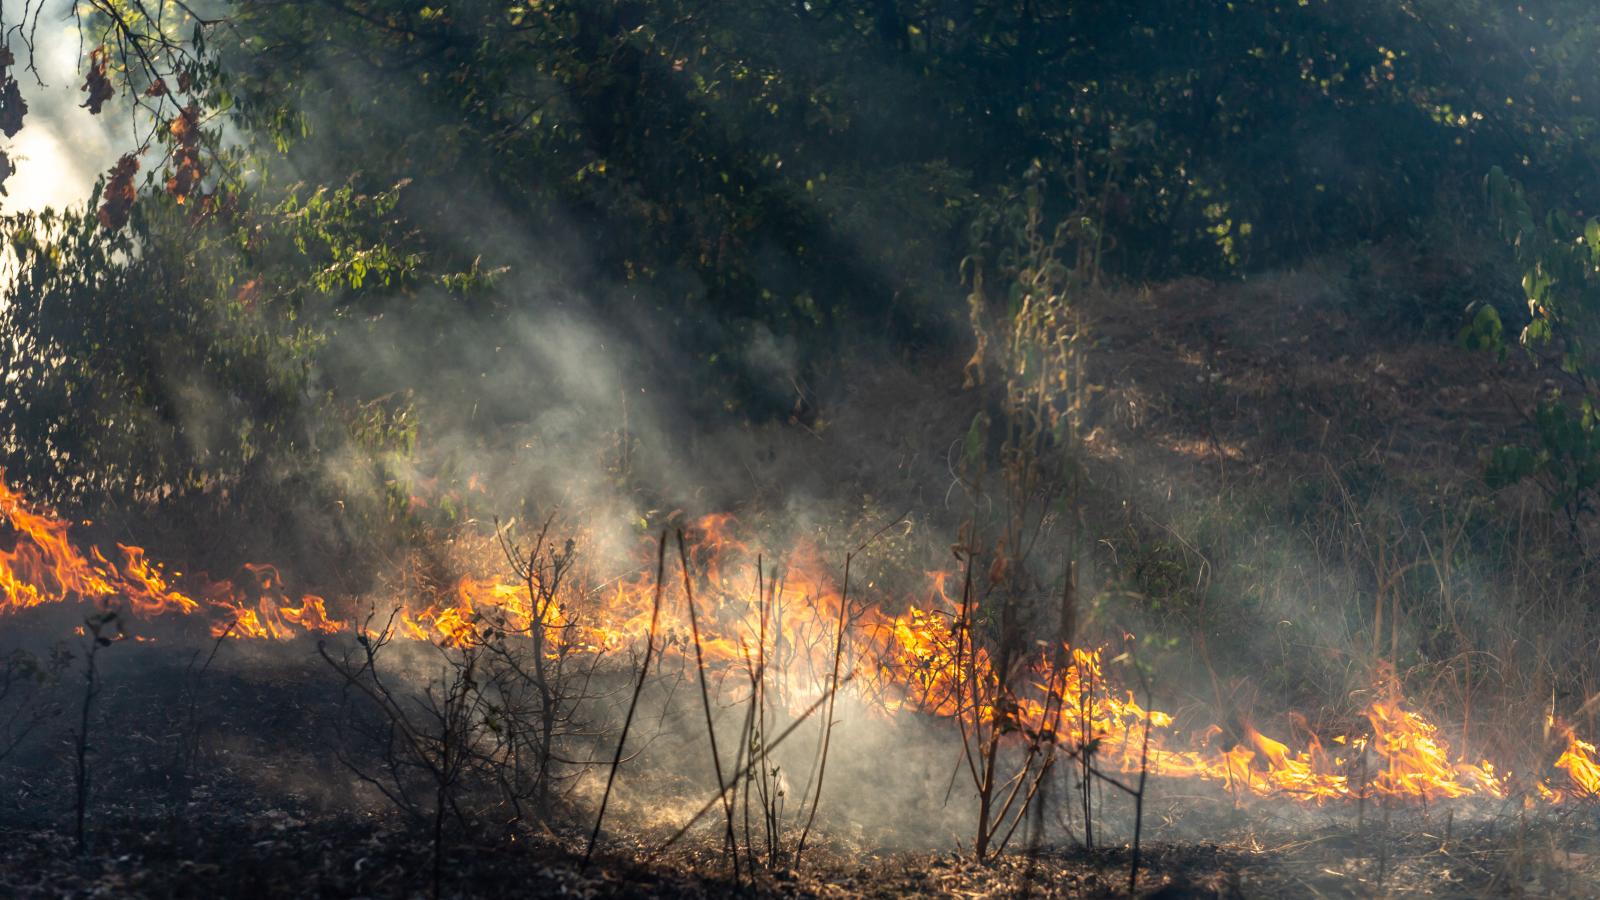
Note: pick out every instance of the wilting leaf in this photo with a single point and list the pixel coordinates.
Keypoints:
(186, 168)
(96, 82)
(12, 106)
(119, 194)
(1001, 567)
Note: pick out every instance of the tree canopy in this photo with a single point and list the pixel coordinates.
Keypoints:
(805, 176)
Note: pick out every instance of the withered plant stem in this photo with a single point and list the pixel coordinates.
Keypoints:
(750, 767)
(963, 684)
(1361, 797)
(745, 732)
(91, 689)
(1086, 780)
(1050, 721)
(633, 702)
(1138, 798)
(189, 749)
(705, 699)
(1383, 845)
(827, 722)
(838, 653)
(772, 822)
(750, 723)
(28, 714)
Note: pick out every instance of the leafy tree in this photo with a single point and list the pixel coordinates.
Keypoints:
(177, 359)
(713, 177)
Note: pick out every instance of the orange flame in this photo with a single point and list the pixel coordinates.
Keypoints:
(907, 662)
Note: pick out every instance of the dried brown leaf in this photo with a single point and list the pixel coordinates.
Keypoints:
(97, 83)
(119, 194)
(187, 170)
(12, 107)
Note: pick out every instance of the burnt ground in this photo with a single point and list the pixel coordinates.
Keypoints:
(273, 854)
(268, 810)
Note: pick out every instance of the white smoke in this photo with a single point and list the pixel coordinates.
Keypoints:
(61, 148)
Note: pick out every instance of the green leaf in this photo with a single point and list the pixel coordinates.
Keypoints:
(1509, 465)
(1485, 331)
(977, 438)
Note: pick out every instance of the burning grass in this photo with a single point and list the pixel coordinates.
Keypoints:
(790, 628)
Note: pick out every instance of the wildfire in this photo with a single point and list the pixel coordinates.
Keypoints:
(907, 662)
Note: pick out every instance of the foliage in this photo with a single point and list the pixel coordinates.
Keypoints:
(717, 177)
(720, 175)
(809, 169)
(1560, 259)
(177, 359)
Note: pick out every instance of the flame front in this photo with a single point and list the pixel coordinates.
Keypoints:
(911, 662)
